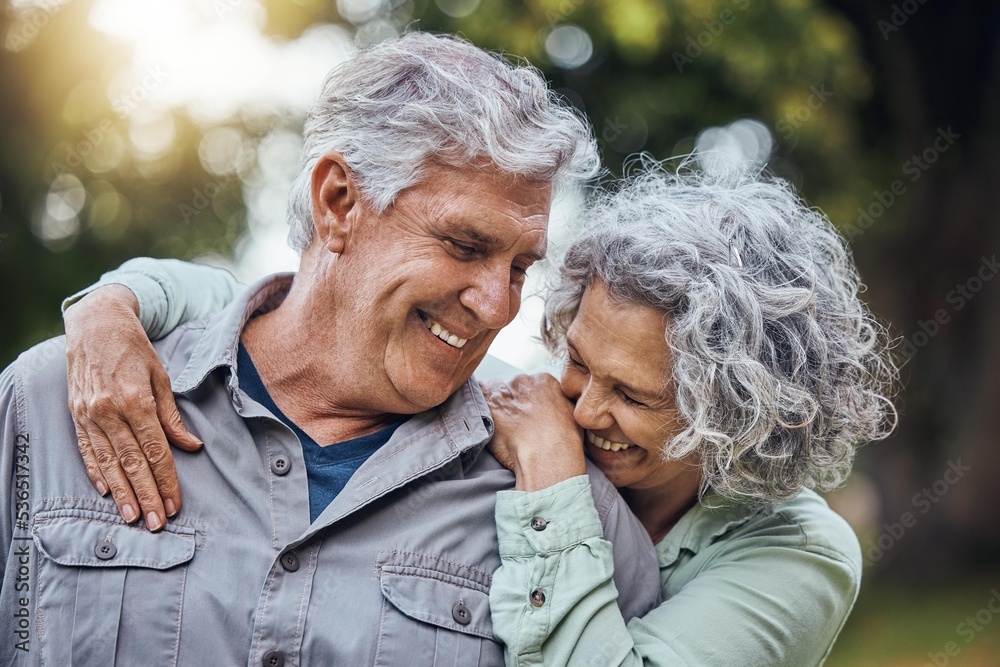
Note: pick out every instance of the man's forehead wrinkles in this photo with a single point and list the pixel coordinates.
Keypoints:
(536, 251)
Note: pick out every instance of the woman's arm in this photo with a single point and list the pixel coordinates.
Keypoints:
(763, 600)
(573, 562)
(766, 596)
(119, 393)
(536, 437)
(169, 292)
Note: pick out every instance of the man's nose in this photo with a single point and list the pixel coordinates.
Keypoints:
(491, 298)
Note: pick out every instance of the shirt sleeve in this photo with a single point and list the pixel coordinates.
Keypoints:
(569, 563)
(10, 439)
(739, 610)
(169, 291)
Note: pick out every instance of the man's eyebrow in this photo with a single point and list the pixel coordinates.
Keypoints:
(488, 240)
(472, 234)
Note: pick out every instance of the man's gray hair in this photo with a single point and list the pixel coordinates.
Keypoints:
(779, 370)
(399, 105)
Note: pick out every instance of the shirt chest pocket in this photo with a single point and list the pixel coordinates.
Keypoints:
(108, 593)
(434, 618)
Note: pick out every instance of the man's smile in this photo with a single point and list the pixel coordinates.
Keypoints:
(441, 332)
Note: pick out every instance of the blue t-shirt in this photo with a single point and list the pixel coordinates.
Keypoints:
(329, 468)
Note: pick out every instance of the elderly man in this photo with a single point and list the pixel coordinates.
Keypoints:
(422, 201)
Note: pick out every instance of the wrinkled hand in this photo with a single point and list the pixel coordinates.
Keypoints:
(123, 407)
(534, 432)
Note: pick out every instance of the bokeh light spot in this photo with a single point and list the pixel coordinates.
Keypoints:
(359, 11)
(742, 141)
(222, 151)
(458, 8)
(569, 46)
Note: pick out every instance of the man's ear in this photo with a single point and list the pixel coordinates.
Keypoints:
(335, 202)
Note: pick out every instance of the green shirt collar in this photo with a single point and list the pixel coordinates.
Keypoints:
(707, 521)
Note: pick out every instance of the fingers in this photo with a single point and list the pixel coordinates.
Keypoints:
(160, 462)
(154, 445)
(90, 459)
(495, 388)
(129, 475)
(115, 382)
(114, 475)
(135, 464)
(490, 386)
(169, 416)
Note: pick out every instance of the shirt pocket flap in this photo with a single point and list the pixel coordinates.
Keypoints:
(85, 541)
(439, 599)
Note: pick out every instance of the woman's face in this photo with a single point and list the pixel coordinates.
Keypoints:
(618, 374)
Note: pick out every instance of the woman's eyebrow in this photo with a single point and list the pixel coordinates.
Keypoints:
(652, 396)
(645, 394)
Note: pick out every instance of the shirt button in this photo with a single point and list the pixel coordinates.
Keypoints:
(290, 561)
(281, 465)
(105, 550)
(537, 597)
(273, 659)
(538, 523)
(461, 613)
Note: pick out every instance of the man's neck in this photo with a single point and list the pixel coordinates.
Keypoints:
(305, 384)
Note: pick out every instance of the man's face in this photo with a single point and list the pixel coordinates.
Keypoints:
(428, 284)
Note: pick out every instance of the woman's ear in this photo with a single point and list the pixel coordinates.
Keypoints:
(335, 202)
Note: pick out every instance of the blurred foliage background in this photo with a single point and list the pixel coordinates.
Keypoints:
(171, 129)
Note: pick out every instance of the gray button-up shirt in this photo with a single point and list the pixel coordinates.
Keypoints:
(395, 572)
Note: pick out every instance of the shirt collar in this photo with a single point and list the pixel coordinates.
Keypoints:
(430, 446)
(219, 342)
(708, 520)
(464, 415)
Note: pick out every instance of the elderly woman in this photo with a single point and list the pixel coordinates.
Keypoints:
(719, 367)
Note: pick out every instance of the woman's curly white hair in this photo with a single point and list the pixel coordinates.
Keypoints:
(778, 368)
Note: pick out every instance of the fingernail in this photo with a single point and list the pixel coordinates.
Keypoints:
(168, 505)
(153, 521)
(101, 489)
(128, 513)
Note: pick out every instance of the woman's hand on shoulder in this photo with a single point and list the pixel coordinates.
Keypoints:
(534, 432)
(123, 407)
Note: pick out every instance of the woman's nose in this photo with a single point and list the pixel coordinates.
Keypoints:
(590, 411)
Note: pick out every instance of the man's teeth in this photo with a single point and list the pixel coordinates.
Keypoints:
(598, 441)
(443, 333)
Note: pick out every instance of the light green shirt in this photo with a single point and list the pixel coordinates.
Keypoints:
(169, 291)
(768, 587)
(742, 587)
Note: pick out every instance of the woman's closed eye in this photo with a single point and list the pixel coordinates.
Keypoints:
(580, 368)
(631, 401)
